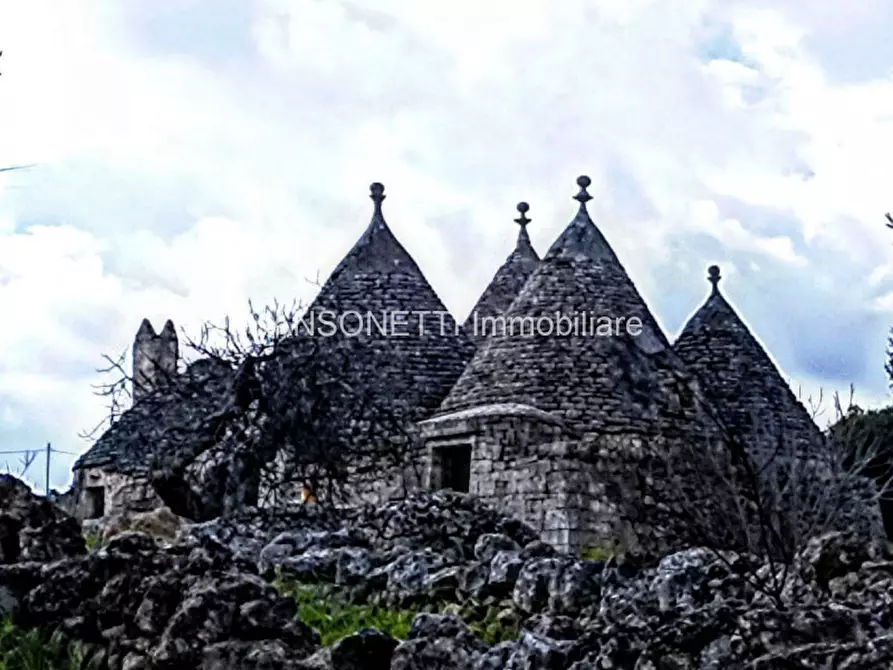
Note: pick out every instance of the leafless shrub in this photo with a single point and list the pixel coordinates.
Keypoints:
(117, 393)
(26, 460)
(261, 411)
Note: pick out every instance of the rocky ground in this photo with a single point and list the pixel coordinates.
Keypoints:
(479, 592)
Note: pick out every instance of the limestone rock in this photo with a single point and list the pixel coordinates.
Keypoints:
(32, 528)
(174, 608)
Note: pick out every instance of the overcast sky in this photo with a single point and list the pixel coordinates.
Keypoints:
(192, 154)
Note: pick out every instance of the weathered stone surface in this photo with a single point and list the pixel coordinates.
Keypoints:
(367, 649)
(489, 544)
(124, 448)
(618, 379)
(160, 523)
(379, 278)
(744, 385)
(32, 528)
(443, 642)
(145, 604)
(505, 285)
(757, 406)
(174, 608)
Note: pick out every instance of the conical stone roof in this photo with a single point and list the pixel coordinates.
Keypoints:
(743, 384)
(408, 342)
(506, 283)
(625, 377)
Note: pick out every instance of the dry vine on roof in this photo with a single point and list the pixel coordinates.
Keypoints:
(262, 411)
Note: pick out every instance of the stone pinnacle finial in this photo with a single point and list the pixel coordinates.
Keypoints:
(713, 277)
(377, 194)
(169, 332)
(522, 220)
(583, 196)
(146, 331)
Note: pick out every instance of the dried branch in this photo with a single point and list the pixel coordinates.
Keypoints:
(264, 410)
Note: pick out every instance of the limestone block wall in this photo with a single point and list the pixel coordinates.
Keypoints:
(668, 502)
(365, 481)
(102, 494)
(594, 490)
(521, 465)
(155, 357)
(558, 493)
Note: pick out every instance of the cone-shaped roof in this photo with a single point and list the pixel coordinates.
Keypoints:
(506, 283)
(585, 373)
(744, 385)
(420, 350)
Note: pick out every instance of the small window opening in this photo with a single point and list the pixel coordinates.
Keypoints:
(455, 468)
(95, 502)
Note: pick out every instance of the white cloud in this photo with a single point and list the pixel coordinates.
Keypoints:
(178, 176)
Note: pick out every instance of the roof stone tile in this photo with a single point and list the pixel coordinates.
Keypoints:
(627, 379)
(506, 283)
(744, 385)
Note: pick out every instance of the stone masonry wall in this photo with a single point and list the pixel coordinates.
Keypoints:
(602, 490)
(118, 493)
(155, 358)
(365, 482)
(516, 469)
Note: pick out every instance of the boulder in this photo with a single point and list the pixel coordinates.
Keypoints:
(160, 523)
(32, 528)
(166, 607)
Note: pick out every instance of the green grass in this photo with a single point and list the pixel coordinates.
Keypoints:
(93, 539)
(335, 618)
(602, 552)
(35, 650)
(491, 629)
(326, 610)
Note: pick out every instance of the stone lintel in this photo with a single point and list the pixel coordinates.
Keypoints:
(498, 410)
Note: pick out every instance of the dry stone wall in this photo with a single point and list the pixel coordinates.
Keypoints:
(520, 465)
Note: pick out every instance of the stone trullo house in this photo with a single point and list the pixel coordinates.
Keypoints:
(538, 424)
(107, 476)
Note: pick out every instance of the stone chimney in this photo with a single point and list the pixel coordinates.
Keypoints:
(154, 358)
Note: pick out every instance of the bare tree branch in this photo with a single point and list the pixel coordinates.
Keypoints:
(265, 409)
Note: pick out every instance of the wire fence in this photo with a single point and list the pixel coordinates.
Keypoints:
(28, 458)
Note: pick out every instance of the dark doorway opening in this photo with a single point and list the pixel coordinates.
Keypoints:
(455, 468)
(95, 502)
(10, 549)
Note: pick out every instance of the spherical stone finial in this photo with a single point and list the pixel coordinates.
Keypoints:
(713, 277)
(522, 220)
(583, 196)
(377, 192)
